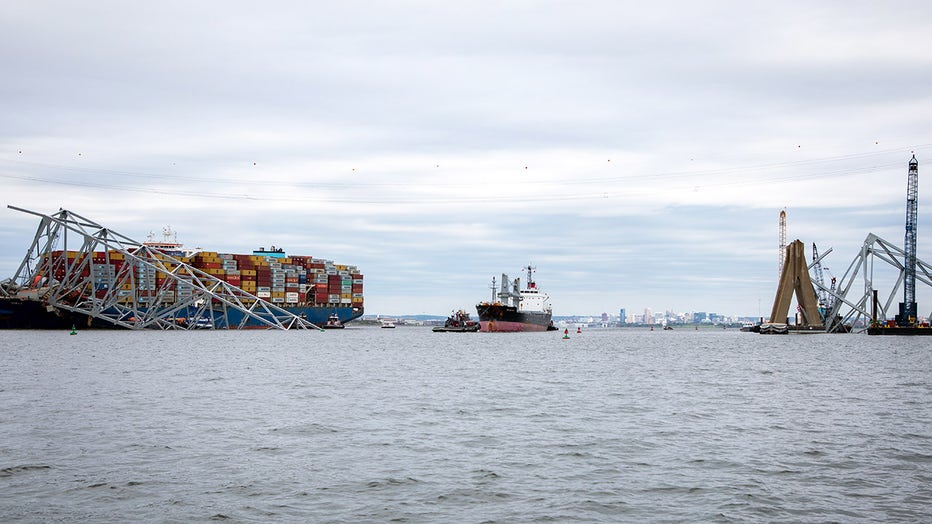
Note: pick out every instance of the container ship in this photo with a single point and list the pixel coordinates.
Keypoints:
(516, 309)
(115, 282)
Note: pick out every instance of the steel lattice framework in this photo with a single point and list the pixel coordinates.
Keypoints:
(912, 206)
(860, 306)
(61, 266)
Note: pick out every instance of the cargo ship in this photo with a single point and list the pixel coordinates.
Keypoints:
(123, 284)
(516, 309)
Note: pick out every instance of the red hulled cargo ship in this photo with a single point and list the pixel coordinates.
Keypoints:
(516, 309)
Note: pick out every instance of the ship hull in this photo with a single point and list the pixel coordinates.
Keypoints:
(32, 314)
(499, 318)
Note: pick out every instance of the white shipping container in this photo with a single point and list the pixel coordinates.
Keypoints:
(263, 294)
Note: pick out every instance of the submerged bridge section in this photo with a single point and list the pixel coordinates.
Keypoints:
(856, 293)
(79, 266)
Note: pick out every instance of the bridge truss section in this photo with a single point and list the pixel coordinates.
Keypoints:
(70, 266)
(855, 290)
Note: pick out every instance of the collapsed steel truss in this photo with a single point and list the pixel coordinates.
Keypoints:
(860, 307)
(64, 246)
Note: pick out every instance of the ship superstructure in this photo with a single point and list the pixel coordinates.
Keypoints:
(78, 272)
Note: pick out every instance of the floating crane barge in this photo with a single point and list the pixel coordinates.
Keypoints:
(905, 322)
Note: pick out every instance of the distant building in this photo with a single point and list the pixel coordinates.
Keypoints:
(699, 317)
(648, 316)
(622, 316)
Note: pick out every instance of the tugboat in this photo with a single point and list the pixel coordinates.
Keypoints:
(333, 322)
(458, 322)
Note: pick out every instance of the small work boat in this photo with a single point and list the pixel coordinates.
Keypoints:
(458, 322)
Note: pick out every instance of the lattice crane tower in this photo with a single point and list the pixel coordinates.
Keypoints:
(908, 312)
(781, 249)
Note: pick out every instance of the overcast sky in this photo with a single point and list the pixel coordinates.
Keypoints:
(637, 153)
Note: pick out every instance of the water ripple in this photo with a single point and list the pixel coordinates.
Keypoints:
(368, 426)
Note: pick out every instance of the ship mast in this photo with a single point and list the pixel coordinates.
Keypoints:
(493, 287)
(530, 276)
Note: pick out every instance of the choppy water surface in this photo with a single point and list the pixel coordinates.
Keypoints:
(406, 425)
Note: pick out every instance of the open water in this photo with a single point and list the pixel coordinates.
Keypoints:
(406, 425)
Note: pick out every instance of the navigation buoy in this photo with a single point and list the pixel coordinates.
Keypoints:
(566, 334)
(74, 331)
(578, 329)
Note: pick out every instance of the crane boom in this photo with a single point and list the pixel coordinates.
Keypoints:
(820, 281)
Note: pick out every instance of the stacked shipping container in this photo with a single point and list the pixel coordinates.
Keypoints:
(297, 281)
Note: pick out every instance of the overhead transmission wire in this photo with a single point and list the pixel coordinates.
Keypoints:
(265, 182)
(598, 194)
